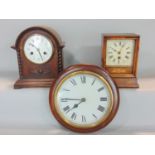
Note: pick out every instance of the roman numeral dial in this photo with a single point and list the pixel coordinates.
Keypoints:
(120, 52)
(83, 98)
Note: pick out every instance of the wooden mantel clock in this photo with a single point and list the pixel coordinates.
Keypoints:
(84, 98)
(40, 60)
(120, 57)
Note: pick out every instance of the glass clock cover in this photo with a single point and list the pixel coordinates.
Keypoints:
(38, 49)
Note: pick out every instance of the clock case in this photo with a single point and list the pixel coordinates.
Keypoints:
(125, 77)
(38, 75)
(83, 67)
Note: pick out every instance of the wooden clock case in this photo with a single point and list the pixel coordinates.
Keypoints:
(125, 77)
(83, 67)
(38, 75)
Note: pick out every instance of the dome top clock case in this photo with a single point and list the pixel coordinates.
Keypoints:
(84, 98)
(39, 53)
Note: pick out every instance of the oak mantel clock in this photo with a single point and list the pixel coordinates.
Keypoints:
(120, 57)
(39, 53)
(84, 98)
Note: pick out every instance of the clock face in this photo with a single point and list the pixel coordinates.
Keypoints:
(38, 49)
(120, 52)
(83, 99)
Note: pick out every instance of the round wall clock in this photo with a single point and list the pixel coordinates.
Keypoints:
(84, 98)
(39, 52)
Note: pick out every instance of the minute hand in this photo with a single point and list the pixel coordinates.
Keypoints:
(74, 99)
(38, 50)
(76, 105)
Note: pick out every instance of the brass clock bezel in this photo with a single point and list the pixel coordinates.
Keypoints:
(101, 74)
(72, 75)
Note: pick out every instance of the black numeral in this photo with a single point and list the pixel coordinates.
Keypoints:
(94, 116)
(73, 82)
(127, 48)
(66, 108)
(83, 79)
(111, 56)
(126, 57)
(114, 60)
(100, 108)
(64, 100)
(93, 82)
(73, 116)
(83, 118)
(103, 99)
(100, 89)
(66, 89)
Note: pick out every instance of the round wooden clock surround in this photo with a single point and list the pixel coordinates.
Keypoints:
(84, 69)
(33, 74)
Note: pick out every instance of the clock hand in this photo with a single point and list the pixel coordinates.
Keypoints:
(38, 50)
(70, 99)
(121, 48)
(40, 53)
(76, 105)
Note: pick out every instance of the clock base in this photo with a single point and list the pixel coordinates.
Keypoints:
(32, 83)
(126, 82)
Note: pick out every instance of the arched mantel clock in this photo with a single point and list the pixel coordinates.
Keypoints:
(40, 59)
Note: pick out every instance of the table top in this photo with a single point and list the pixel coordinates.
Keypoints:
(27, 111)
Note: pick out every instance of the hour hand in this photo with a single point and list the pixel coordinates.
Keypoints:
(38, 50)
(77, 105)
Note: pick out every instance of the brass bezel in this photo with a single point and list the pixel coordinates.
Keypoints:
(102, 119)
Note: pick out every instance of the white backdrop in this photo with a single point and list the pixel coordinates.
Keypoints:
(26, 111)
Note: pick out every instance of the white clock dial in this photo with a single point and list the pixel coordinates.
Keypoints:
(83, 99)
(38, 49)
(120, 52)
